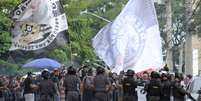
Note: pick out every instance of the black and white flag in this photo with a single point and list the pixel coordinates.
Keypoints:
(37, 23)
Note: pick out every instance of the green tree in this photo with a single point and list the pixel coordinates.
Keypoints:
(83, 27)
(59, 55)
(5, 24)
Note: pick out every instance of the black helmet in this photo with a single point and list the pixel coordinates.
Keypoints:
(165, 75)
(155, 75)
(100, 70)
(45, 74)
(130, 72)
(179, 76)
(71, 70)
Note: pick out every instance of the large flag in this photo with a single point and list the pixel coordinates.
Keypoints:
(37, 23)
(132, 40)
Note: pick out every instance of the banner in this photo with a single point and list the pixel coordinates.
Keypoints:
(37, 23)
(132, 40)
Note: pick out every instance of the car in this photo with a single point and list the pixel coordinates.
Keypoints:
(195, 88)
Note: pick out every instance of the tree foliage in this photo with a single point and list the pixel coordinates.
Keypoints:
(5, 24)
(83, 27)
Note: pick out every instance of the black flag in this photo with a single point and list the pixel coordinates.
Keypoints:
(38, 24)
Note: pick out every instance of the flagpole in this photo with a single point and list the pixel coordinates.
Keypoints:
(71, 53)
(95, 15)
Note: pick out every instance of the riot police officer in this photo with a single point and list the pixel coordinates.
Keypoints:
(178, 91)
(153, 88)
(101, 85)
(72, 85)
(129, 86)
(46, 87)
(88, 83)
(165, 87)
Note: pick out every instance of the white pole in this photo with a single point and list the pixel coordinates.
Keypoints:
(90, 13)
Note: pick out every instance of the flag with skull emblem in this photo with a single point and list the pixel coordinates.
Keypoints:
(37, 23)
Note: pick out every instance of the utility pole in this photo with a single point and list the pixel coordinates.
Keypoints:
(188, 43)
(169, 58)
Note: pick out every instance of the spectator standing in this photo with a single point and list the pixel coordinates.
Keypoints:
(115, 87)
(55, 79)
(29, 88)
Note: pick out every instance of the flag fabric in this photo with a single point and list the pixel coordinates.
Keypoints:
(132, 40)
(37, 23)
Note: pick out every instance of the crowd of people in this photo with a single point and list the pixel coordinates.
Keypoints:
(68, 85)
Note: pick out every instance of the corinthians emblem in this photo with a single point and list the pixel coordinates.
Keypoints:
(33, 33)
(36, 24)
(134, 37)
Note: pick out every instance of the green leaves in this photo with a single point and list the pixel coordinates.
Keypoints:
(8, 68)
(83, 27)
(5, 24)
(59, 55)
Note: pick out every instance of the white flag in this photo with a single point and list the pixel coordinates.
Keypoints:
(132, 40)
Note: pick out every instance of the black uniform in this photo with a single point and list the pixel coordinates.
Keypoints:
(72, 87)
(153, 90)
(165, 90)
(47, 90)
(88, 93)
(101, 83)
(129, 92)
(46, 87)
(129, 86)
(178, 92)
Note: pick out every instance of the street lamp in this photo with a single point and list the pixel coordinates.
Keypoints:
(93, 14)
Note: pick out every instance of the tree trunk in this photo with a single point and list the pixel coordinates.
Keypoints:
(188, 43)
(169, 58)
(181, 58)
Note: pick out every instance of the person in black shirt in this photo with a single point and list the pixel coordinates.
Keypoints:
(165, 87)
(29, 88)
(46, 87)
